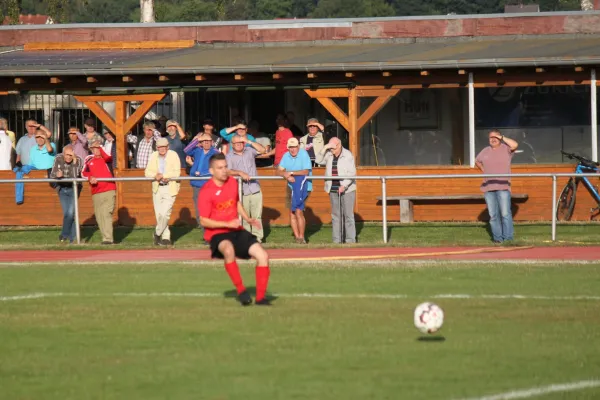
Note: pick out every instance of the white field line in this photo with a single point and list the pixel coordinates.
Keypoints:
(322, 263)
(31, 296)
(539, 391)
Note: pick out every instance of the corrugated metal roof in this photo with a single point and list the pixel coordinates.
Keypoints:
(338, 57)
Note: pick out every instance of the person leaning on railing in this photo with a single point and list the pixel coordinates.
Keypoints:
(103, 193)
(67, 166)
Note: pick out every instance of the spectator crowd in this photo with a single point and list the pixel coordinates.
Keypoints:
(163, 150)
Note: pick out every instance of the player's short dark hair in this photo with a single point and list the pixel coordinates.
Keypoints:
(216, 157)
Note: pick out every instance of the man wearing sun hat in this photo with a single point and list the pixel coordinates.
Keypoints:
(164, 166)
(313, 142)
(295, 166)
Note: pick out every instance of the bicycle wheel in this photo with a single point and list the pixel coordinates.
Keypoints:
(566, 201)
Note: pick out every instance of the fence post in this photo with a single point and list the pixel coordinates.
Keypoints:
(384, 208)
(76, 211)
(553, 208)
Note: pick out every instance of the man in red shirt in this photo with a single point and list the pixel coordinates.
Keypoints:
(103, 193)
(219, 206)
(282, 136)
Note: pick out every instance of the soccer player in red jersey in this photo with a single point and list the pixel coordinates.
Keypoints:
(219, 207)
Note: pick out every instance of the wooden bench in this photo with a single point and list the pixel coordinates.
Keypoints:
(406, 202)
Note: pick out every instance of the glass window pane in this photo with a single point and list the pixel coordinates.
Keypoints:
(543, 119)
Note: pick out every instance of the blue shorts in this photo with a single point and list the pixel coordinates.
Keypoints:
(299, 193)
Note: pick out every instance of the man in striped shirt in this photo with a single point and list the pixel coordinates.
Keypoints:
(342, 193)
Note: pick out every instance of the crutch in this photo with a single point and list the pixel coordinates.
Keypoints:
(341, 217)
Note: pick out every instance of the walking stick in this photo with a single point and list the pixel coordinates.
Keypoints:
(341, 217)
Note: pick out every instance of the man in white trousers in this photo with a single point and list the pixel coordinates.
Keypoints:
(164, 166)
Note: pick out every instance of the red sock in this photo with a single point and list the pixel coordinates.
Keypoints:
(262, 281)
(234, 274)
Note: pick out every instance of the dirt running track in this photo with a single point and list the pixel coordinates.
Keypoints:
(308, 254)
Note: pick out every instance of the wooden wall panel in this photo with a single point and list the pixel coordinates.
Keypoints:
(41, 206)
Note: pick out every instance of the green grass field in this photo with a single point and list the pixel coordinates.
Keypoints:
(336, 331)
(418, 234)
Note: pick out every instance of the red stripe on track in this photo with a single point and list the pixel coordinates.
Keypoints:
(538, 253)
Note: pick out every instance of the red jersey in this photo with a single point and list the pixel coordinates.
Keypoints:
(219, 203)
(281, 138)
(98, 168)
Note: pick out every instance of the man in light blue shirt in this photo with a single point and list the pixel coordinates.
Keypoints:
(42, 155)
(27, 142)
(296, 165)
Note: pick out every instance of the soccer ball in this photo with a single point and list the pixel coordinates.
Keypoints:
(429, 317)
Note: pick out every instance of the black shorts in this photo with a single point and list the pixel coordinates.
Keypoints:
(242, 240)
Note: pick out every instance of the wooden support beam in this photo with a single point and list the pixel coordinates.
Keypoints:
(55, 80)
(163, 78)
(353, 112)
(138, 114)
(374, 108)
(386, 74)
(99, 112)
(349, 74)
(326, 93)
(123, 97)
(91, 79)
(277, 76)
(238, 77)
(200, 78)
(311, 75)
(122, 150)
(19, 81)
(120, 125)
(334, 110)
(127, 79)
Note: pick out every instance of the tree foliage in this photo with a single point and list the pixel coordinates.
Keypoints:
(222, 10)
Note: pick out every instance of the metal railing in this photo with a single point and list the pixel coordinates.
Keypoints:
(383, 179)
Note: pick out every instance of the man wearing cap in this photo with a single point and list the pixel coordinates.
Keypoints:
(295, 166)
(42, 155)
(241, 162)
(78, 142)
(175, 136)
(198, 157)
(313, 142)
(104, 192)
(164, 166)
(144, 145)
(27, 142)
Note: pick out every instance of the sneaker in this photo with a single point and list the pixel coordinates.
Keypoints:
(156, 239)
(300, 241)
(165, 242)
(62, 239)
(244, 298)
(263, 302)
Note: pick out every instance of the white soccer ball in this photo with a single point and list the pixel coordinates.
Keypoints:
(429, 317)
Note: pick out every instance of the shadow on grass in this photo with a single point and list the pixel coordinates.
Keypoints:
(183, 225)
(431, 339)
(251, 289)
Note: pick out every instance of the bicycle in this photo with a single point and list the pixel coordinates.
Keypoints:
(566, 200)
